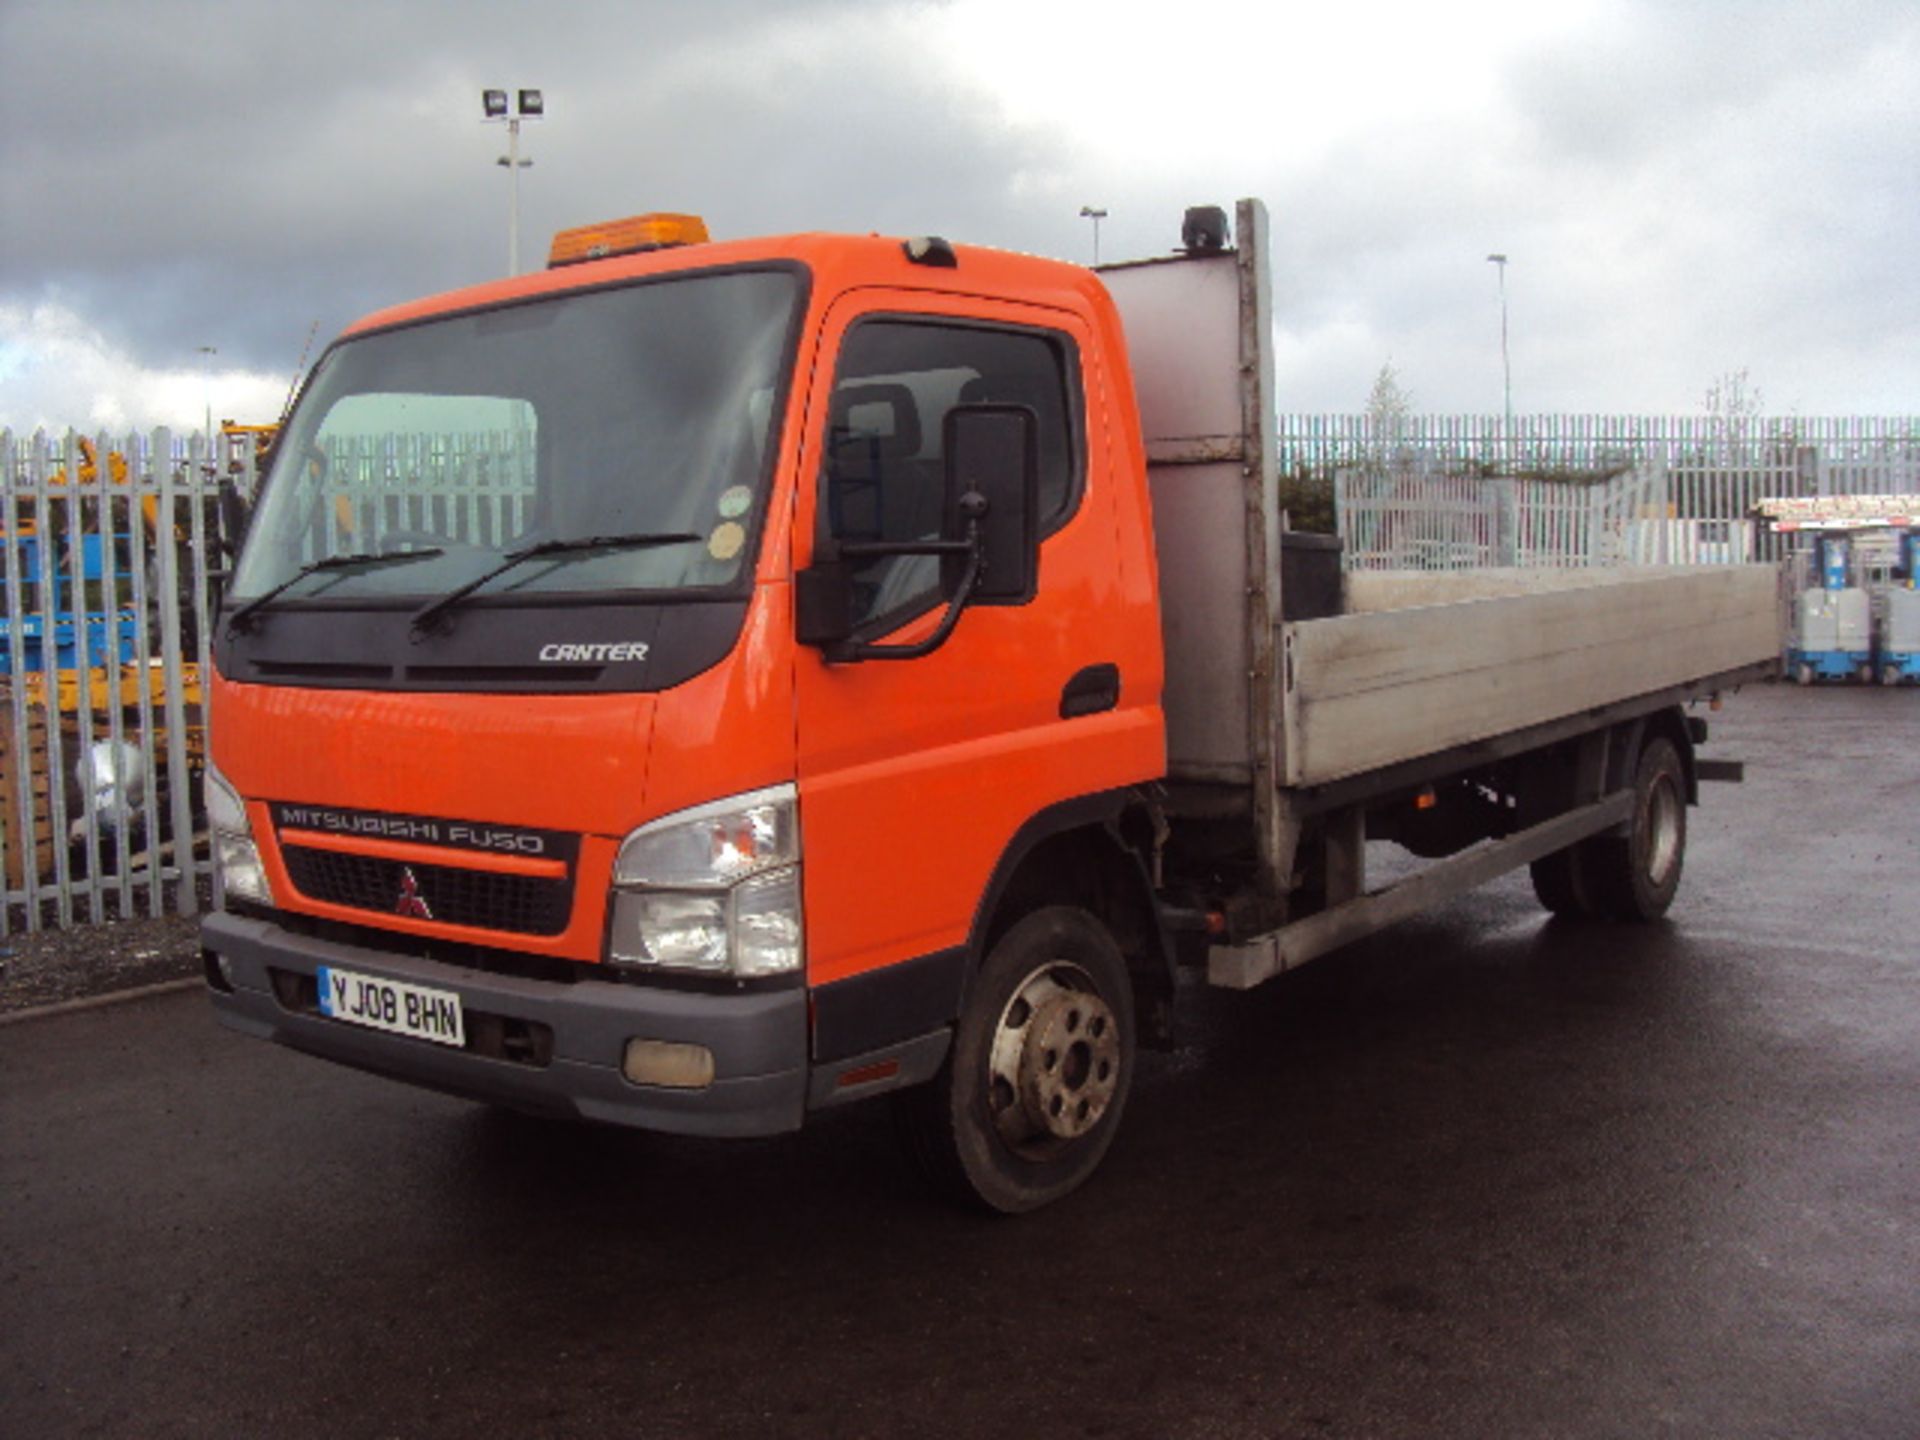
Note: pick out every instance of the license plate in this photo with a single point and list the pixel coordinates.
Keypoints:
(391, 1005)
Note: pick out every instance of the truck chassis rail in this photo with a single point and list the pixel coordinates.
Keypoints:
(1241, 967)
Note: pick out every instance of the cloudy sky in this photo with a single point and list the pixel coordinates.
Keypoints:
(1685, 189)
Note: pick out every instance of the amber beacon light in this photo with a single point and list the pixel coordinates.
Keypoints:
(654, 231)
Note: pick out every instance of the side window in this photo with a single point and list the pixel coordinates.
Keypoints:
(883, 473)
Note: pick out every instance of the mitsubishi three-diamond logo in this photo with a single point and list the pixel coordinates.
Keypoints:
(411, 903)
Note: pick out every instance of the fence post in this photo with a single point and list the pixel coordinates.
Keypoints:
(186, 892)
(1506, 539)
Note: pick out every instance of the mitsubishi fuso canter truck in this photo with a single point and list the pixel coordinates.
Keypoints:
(705, 683)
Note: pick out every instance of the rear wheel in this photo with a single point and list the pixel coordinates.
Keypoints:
(1804, 674)
(1559, 882)
(1034, 1086)
(1635, 876)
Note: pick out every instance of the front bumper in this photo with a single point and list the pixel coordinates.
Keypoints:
(758, 1038)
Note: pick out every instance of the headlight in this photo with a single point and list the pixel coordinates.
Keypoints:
(713, 889)
(236, 859)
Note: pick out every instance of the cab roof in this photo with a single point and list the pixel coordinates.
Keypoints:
(834, 263)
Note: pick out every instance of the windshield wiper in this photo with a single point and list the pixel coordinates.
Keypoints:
(242, 618)
(424, 617)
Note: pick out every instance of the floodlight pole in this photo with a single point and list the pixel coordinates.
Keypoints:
(527, 104)
(512, 162)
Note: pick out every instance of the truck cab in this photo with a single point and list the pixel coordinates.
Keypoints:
(636, 700)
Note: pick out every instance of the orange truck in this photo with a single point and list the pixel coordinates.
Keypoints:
(706, 683)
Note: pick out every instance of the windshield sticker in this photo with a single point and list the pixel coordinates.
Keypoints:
(726, 540)
(734, 502)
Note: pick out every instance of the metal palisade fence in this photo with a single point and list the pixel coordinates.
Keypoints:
(111, 552)
(1463, 491)
(108, 548)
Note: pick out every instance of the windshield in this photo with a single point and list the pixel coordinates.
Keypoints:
(643, 410)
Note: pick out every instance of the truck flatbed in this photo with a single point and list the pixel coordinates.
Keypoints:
(1417, 663)
(1413, 672)
(1321, 728)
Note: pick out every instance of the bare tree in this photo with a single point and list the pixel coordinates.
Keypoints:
(1389, 409)
(1733, 405)
(1388, 404)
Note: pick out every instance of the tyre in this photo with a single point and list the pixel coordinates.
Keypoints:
(1864, 673)
(1804, 674)
(1033, 1088)
(1561, 885)
(1634, 877)
(1890, 675)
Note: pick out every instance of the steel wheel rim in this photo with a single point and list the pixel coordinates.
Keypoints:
(1053, 1068)
(1662, 820)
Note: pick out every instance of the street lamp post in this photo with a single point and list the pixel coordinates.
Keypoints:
(1506, 364)
(527, 105)
(1089, 212)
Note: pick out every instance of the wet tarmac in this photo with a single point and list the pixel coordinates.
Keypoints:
(1483, 1176)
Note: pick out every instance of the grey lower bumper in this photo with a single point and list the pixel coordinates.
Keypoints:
(758, 1038)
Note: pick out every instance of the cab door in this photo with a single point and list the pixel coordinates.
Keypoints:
(915, 775)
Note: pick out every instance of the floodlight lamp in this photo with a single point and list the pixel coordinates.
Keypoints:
(531, 104)
(495, 104)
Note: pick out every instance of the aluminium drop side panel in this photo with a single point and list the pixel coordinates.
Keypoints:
(1198, 344)
(1370, 690)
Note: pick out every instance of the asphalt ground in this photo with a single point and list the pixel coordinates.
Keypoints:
(1486, 1175)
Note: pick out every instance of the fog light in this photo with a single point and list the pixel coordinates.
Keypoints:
(666, 1063)
(219, 971)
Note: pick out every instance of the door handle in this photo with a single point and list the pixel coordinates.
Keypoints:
(1091, 691)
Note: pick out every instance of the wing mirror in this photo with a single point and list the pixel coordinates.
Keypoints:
(989, 552)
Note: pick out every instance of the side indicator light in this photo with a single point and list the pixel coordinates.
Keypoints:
(868, 1074)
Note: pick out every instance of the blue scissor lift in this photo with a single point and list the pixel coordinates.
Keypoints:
(1900, 644)
(1833, 619)
(1863, 555)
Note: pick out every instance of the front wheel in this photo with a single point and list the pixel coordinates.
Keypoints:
(1034, 1086)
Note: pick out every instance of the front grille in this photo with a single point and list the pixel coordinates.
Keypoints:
(484, 899)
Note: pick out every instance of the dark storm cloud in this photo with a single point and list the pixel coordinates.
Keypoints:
(232, 173)
(1684, 188)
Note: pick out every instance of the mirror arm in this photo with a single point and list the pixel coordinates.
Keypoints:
(972, 547)
(881, 549)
